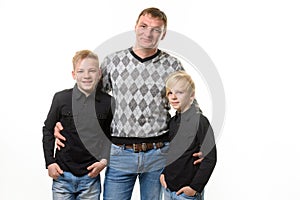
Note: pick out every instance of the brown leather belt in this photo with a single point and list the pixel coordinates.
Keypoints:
(142, 147)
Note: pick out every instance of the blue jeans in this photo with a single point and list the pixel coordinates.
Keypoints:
(169, 195)
(125, 166)
(70, 187)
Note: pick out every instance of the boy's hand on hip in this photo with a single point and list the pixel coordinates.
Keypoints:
(187, 190)
(54, 170)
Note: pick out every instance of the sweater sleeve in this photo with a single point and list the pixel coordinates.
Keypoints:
(206, 138)
(105, 81)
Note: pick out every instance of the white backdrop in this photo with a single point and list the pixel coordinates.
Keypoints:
(254, 45)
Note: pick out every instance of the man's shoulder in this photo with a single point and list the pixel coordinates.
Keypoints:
(118, 53)
(166, 58)
(167, 55)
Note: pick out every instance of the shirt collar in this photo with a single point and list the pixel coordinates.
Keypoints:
(188, 114)
(78, 94)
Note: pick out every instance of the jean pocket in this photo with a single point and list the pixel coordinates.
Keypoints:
(164, 150)
(115, 150)
(185, 196)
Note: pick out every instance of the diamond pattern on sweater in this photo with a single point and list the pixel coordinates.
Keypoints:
(139, 90)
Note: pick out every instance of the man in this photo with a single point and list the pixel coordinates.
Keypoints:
(136, 78)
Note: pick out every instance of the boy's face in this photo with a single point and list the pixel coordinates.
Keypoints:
(87, 75)
(180, 98)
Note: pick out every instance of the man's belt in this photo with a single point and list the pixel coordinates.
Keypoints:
(142, 147)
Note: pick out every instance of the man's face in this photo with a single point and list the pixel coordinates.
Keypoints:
(87, 75)
(149, 31)
(180, 98)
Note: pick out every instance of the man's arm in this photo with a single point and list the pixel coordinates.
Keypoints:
(96, 168)
(59, 137)
(199, 156)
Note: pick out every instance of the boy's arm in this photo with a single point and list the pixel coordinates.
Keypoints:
(54, 171)
(48, 137)
(163, 181)
(209, 150)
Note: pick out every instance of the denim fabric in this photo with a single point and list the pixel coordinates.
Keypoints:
(169, 195)
(70, 187)
(124, 168)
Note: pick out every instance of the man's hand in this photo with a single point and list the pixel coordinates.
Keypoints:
(187, 190)
(96, 168)
(59, 138)
(198, 155)
(54, 170)
(162, 181)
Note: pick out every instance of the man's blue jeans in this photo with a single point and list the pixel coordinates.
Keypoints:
(70, 187)
(125, 166)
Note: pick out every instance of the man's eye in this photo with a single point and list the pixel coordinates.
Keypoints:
(157, 30)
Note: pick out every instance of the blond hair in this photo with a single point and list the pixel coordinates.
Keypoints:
(80, 55)
(180, 77)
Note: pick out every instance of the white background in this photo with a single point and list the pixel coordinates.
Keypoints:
(254, 45)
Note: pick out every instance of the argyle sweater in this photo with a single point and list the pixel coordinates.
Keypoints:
(138, 86)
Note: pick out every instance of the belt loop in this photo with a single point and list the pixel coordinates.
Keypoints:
(123, 146)
(144, 147)
(154, 145)
(159, 145)
(135, 148)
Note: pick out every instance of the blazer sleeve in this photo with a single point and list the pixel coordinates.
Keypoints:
(206, 139)
(48, 131)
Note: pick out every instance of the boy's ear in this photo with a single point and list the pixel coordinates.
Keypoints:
(192, 96)
(73, 75)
